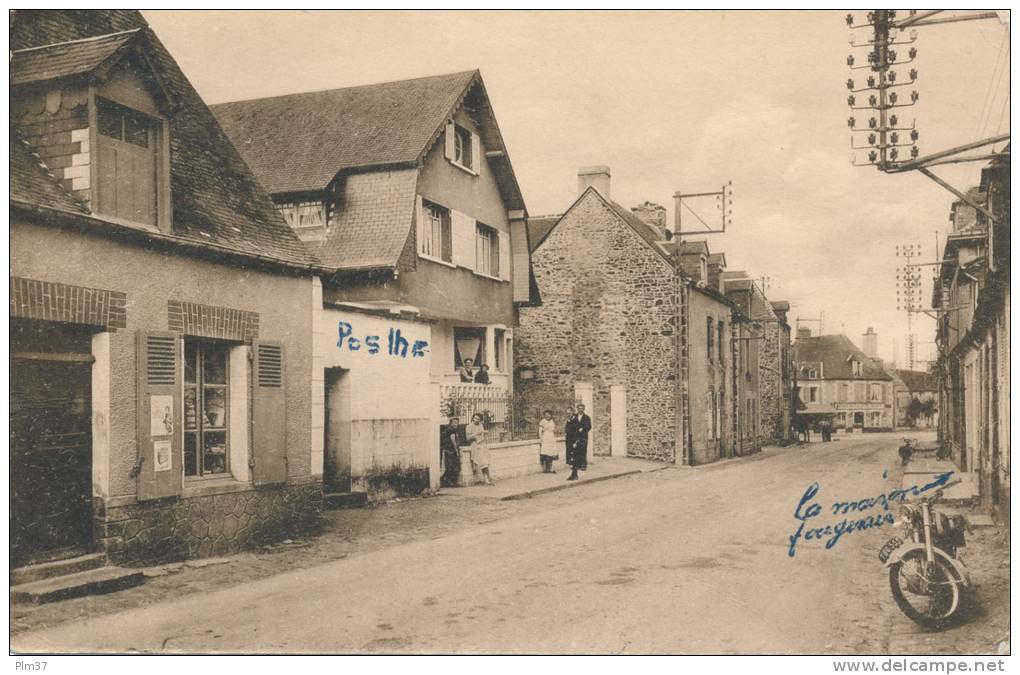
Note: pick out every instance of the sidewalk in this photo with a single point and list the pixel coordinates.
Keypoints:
(599, 469)
(923, 469)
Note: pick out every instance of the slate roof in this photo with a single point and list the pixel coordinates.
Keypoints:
(539, 228)
(917, 380)
(65, 59)
(31, 182)
(299, 142)
(216, 199)
(834, 352)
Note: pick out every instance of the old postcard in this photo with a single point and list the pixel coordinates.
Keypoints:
(511, 332)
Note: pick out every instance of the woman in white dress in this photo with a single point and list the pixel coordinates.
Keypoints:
(475, 433)
(548, 452)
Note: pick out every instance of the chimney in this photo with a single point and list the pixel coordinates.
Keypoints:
(716, 266)
(593, 176)
(781, 307)
(651, 213)
(803, 333)
(871, 343)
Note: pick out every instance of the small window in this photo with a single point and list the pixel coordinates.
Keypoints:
(813, 394)
(462, 150)
(709, 333)
(499, 357)
(722, 355)
(436, 238)
(486, 250)
(205, 408)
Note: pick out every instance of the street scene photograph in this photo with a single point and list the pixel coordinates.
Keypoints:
(510, 332)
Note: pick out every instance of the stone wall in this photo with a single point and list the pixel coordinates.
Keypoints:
(771, 385)
(609, 316)
(166, 530)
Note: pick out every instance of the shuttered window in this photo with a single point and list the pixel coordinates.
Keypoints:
(486, 251)
(434, 232)
(269, 414)
(205, 408)
(160, 365)
(270, 365)
(126, 166)
(157, 467)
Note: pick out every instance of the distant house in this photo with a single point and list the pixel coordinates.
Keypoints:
(405, 192)
(159, 311)
(910, 385)
(832, 370)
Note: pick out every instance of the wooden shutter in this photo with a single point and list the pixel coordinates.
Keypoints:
(451, 139)
(158, 365)
(447, 237)
(504, 255)
(521, 261)
(476, 153)
(269, 414)
(464, 234)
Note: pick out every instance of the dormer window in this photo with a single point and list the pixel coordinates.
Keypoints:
(857, 368)
(126, 163)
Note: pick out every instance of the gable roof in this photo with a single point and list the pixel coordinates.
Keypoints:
(539, 228)
(216, 200)
(917, 380)
(64, 59)
(299, 142)
(835, 352)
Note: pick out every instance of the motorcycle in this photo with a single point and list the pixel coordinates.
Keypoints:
(927, 577)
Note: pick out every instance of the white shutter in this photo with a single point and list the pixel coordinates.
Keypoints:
(476, 153)
(419, 216)
(504, 255)
(463, 227)
(450, 141)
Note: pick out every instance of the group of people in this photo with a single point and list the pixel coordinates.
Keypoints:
(575, 432)
(468, 372)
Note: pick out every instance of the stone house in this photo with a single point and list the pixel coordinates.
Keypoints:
(159, 312)
(779, 412)
(405, 192)
(971, 294)
(833, 372)
(624, 328)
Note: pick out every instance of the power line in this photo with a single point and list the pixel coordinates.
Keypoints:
(986, 106)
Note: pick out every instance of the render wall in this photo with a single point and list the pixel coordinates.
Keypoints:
(709, 376)
(609, 316)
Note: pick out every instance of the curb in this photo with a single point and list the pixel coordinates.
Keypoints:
(572, 484)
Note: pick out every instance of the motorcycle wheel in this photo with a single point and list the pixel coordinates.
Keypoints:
(928, 594)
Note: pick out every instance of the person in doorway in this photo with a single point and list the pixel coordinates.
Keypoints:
(548, 452)
(475, 434)
(576, 432)
(449, 441)
(482, 376)
(467, 371)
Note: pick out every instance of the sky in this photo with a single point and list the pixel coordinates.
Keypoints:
(670, 101)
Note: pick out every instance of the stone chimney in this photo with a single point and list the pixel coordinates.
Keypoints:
(593, 176)
(803, 333)
(871, 343)
(651, 213)
(716, 267)
(781, 307)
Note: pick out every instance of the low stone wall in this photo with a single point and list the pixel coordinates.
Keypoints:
(177, 528)
(508, 460)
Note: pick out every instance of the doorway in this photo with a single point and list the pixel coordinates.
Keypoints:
(50, 440)
(859, 419)
(337, 446)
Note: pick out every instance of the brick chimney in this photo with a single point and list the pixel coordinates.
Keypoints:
(651, 213)
(593, 176)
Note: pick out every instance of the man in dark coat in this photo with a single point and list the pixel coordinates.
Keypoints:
(576, 433)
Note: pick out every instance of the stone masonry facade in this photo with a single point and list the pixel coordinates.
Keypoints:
(176, 528)
(609, 315)
(770, 384)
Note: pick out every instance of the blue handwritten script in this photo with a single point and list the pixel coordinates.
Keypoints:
(396, 344)
(809, 508)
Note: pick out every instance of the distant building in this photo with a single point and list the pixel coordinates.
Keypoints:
(911, 385)
(832, 370)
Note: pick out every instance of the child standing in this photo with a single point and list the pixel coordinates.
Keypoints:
(548, 452)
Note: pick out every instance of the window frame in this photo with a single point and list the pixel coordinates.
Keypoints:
(490, 234)
(710, 336)
(201, 428)
(445, 224)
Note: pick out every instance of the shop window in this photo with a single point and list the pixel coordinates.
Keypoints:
(205, 408)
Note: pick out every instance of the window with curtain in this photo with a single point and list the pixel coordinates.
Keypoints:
(469, 343)
(435, 233)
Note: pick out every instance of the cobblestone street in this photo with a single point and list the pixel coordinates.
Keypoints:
(705, 546)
